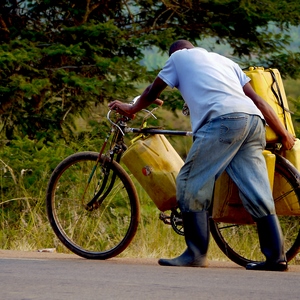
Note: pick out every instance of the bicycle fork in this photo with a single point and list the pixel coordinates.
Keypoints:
(102, 190)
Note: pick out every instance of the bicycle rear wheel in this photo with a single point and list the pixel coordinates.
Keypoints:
(240, 242)
(104, 231)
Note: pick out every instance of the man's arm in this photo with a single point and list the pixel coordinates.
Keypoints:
(287, 139)
(150, 94)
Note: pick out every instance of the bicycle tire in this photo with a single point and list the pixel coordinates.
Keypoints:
(105, 231)
(246, 248)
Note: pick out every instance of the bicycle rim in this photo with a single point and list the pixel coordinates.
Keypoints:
(105, 231)
(240, 242)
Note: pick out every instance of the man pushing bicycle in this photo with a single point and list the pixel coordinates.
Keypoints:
(228, 122)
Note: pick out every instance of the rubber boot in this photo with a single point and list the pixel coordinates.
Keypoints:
(271, 244)
(196, 231)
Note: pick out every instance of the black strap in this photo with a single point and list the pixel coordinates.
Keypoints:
(278, 96)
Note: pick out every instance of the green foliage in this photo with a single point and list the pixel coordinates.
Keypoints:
(250, 29)
(25, 169)
(59, 58)
(52, 70)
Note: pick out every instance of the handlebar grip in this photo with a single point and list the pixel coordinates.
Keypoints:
(158, 102)
(124, 114)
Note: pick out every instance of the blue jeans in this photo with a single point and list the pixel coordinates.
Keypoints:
(232, 142)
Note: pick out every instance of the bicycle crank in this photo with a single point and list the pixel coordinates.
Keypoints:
(175, 220)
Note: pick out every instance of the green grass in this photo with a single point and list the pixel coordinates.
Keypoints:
(24, 226)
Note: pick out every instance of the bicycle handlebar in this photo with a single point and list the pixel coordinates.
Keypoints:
(157, 102)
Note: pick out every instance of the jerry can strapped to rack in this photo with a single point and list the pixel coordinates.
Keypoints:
(155, 164)
(228, 207)
(268, 84)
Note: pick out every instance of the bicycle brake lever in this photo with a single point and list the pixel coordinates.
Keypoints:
(149, 113)
(108, 118)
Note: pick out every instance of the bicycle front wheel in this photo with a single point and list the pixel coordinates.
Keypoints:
(240, 242)
(107, 229)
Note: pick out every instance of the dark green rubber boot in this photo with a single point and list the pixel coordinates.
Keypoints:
(271, 244)
(196, 232)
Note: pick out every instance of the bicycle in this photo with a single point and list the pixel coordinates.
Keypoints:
(94, 209)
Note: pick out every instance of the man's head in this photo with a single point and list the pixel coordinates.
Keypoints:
(180, 44)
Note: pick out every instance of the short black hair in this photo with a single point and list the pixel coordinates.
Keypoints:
(180, 44)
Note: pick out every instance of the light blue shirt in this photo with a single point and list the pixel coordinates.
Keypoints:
(210, 84)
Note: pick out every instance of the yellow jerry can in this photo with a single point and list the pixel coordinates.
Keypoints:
(228, 207)
(293, 155)
(268, 84)
(155, 164)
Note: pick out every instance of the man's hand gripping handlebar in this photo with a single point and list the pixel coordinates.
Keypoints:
(126, 109)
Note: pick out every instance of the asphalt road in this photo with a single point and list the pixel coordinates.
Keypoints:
(33, 275)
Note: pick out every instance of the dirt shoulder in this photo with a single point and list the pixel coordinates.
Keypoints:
(39, 254)
(47, 254)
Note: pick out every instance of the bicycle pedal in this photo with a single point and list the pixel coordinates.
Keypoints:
(165, 218)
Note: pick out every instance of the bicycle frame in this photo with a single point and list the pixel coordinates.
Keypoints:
(118, 147)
